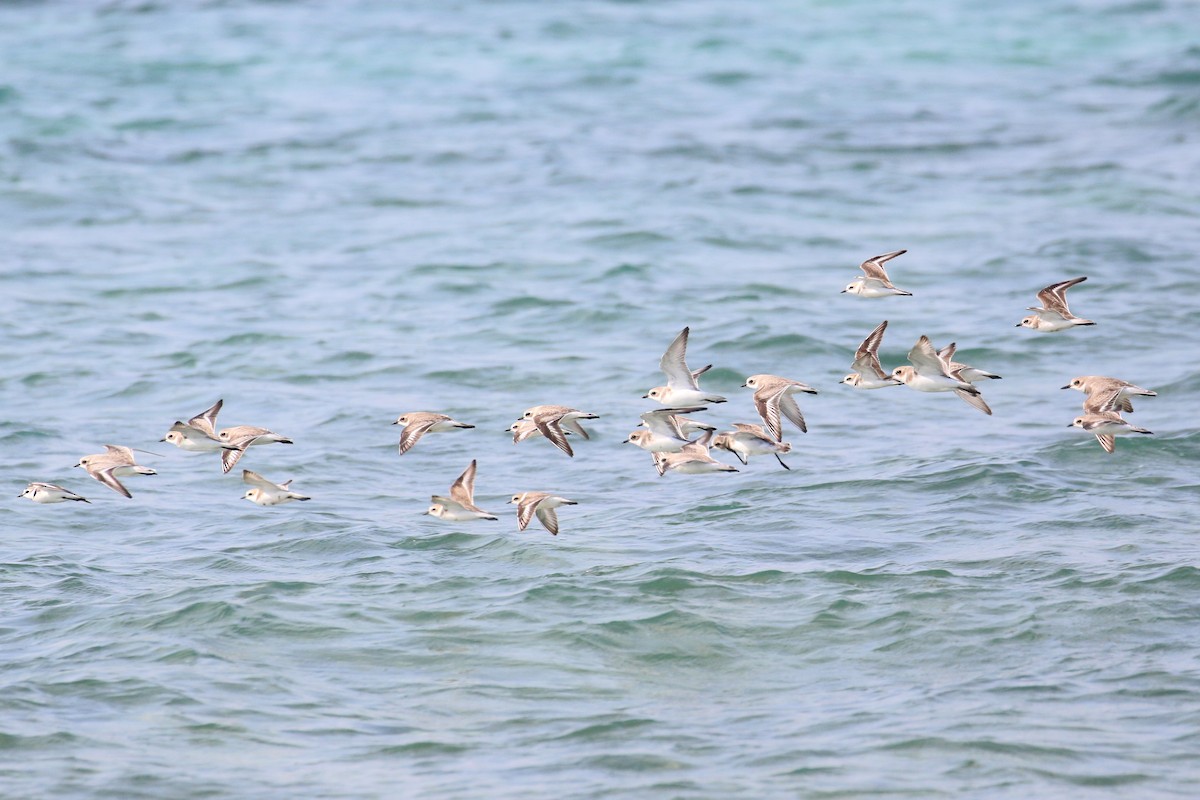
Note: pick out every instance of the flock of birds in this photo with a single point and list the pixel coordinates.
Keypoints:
(677, 443)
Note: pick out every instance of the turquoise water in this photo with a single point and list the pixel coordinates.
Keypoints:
(332, 213)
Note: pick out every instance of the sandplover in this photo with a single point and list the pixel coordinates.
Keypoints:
(868, 373)
(266, 493)
(116, 462)
(460, 505)
(682, 388)
(773, 396)
(418, 423)
(874, 281)
(541, 504)
(1053, 315)
(50, 493)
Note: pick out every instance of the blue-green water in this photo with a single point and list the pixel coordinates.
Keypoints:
(332, 213)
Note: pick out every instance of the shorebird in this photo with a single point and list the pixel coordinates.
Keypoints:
(693, 459)
(773, 396)
(682, 388)
(266, 493)
(1053, 315)
(751, 440)
(1105, 426)
(116, 462)
(1107, 394)
(664, 432)
(50, 493)
(868, 373)
(928, 373)
(554, 422)
(418, 423)
(874, 280)
(966, 372)
(198, 434)
(239, 437)
(460, 505)
(541, 504)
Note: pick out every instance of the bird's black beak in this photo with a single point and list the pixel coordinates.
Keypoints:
(1017, 325)
(645, 397)
(1070, 424)
(1068, 386)
(78, 465)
